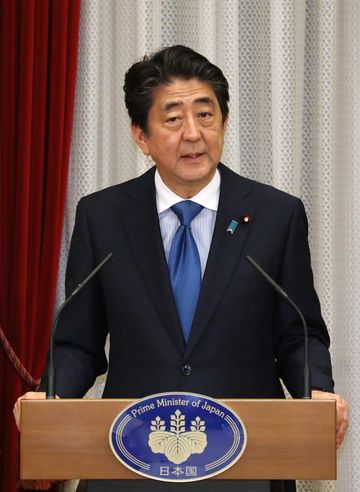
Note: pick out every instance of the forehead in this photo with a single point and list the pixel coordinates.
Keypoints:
(182, 92)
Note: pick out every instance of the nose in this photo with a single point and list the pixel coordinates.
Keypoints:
(191, 130)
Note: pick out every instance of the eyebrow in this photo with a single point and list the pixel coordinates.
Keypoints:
(200, 100)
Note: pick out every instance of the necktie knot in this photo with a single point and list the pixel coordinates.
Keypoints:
(186, 211)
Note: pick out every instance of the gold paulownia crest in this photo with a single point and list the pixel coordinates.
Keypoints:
(177, 444)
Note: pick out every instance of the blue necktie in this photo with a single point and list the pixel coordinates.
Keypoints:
(184, 265)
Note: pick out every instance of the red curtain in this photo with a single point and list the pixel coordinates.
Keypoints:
(38, 54)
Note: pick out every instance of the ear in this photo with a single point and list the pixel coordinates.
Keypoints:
(140, 138)
(225, 124)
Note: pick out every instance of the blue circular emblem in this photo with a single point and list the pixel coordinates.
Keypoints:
(177, 437)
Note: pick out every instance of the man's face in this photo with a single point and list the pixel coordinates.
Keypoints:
(185, 135)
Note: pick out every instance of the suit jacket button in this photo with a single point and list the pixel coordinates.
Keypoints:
(186, 369)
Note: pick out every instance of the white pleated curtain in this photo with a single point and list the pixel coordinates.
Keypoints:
(293, 69)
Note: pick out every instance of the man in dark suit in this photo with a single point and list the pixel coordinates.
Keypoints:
(241, 338)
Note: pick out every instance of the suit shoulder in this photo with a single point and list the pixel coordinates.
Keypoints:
(272, 193)
(116, 193)
(265, 192)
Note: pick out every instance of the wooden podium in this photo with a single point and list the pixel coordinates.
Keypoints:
(287, 439)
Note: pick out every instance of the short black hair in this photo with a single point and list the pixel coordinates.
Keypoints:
(161, 68)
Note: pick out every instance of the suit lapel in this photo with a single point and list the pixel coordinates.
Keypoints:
(143, 231)
(226, 248)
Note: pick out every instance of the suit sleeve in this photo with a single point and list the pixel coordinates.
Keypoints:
(297, 279)
(79, 355)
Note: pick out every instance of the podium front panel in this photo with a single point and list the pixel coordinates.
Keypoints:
(287, 439)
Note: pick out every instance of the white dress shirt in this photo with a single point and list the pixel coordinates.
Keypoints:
(202, 226)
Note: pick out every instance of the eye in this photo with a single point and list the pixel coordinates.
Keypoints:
(205, 115)
(205, 118)
(172, 119)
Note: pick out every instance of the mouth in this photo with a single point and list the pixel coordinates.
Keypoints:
(192, 155)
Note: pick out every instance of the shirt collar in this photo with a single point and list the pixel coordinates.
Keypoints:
(208, 197)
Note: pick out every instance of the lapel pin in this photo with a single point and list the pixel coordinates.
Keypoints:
(232, 226)
(245, 218)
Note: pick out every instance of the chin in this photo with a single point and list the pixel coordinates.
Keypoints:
(195, 176)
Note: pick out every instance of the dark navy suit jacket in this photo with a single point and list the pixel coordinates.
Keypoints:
(244, 337)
